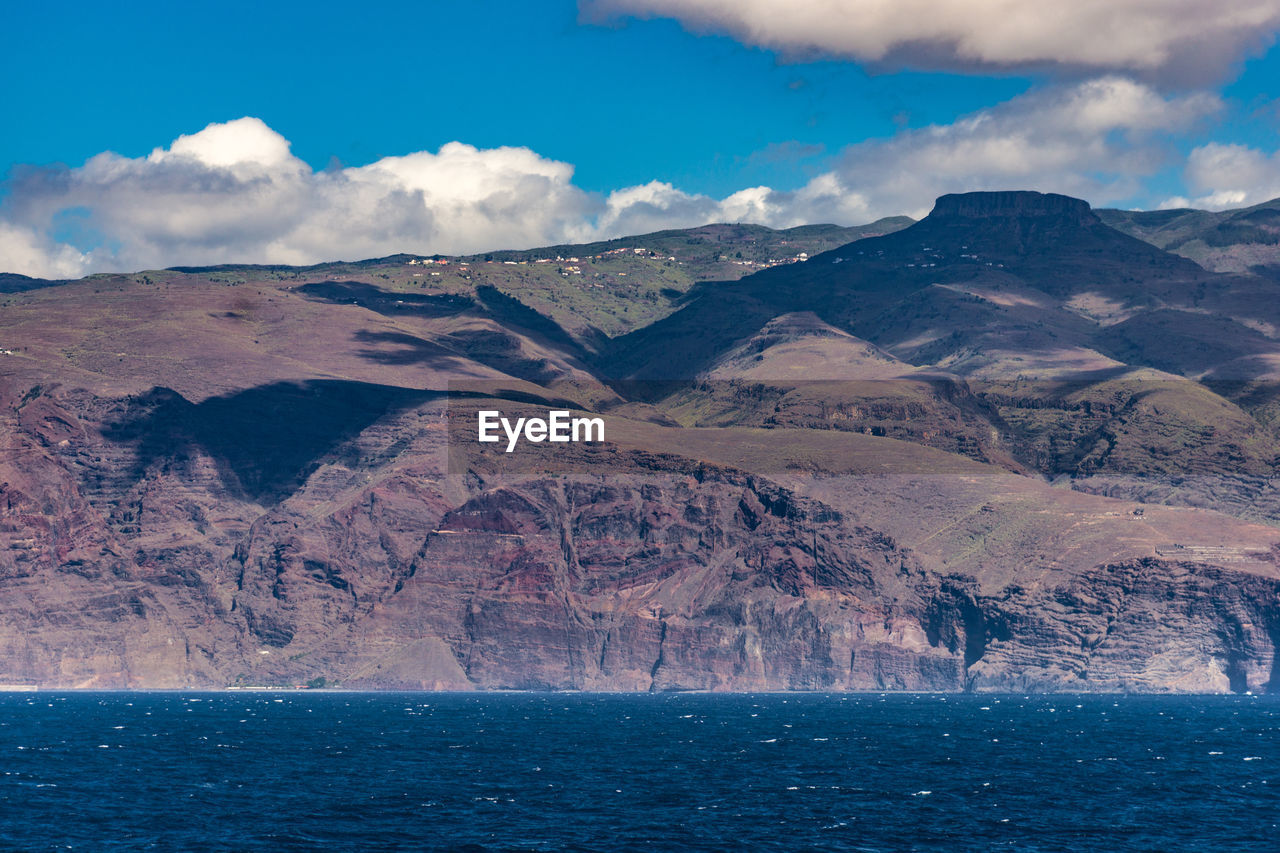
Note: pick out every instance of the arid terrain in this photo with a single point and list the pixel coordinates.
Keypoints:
(1017, 445)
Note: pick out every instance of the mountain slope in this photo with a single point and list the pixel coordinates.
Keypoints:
(1223, 241)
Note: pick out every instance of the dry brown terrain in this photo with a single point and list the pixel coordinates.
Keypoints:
(1007, 448)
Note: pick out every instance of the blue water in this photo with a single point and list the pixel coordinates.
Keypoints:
(306, 770)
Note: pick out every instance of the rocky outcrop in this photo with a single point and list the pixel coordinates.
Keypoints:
(1139, 626)
(667, 582)
(1019, 204)
(83, 606)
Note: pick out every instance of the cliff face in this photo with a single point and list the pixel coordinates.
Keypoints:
(284, 485)
(716, 583)
(383, 570)
(1137, 626)
(1015, 205)
(84, 605)
(666, 581)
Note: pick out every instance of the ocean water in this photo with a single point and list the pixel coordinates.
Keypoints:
(343, 771)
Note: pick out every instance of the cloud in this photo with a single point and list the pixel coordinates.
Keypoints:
(1229, 176)
(245, 144)
(234, 192)
(24, 251)
(1095, 140)
(655, 206)
(1182, 40)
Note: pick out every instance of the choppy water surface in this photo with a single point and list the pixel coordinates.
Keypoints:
(552, 771)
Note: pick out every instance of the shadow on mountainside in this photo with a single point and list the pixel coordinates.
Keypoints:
(406, 349)
(265, 440)
(385, 302)
(501, 347)
(499, 350)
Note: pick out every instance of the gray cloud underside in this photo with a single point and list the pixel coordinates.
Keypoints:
(1180, 41)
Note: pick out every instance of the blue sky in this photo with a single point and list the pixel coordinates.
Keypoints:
(625, 104)
(606, 117)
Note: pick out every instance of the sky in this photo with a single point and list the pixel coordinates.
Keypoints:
(140, 135)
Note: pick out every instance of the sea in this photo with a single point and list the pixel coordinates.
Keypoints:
(332, 770)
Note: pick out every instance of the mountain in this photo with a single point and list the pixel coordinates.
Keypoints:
(1045, 314)
(1007, 447)
(1223, 241)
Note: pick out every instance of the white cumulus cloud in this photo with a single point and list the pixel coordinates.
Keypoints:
(1221, 176)
(243, 144)
(25, 252)
(234, 192)
(1182, 40)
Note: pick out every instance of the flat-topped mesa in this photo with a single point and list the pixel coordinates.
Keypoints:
(1055, 242)
(1020, 204)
